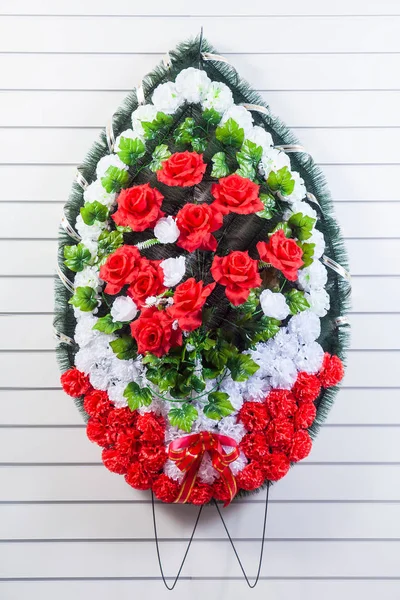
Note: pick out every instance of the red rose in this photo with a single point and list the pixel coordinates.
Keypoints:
(254, 446)
(120, 268)
(182, 169)
(165, 488)
(97, 431)
(238, 272)
(251, 477)
(96, 403)
(139, 207)
(152, 428)
(280, 434)
(75, 383)
(301, 446)
(254, 416)
(115, 461)
(154, 332)
(331, 371)
(148, 281)
(138, 477)
(153, 457)
(283, 253)
(276, 466)
(236, 194)
(281, 403)
(305, 415)
(196, 222)
(189, 299)
(306, 388)
(201, 493)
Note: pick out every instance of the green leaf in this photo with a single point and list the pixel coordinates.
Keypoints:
(281, 181)
(296, 301)
(153, 128)
(197, 384)
(250, 305)
(124, 347)
(247, 170)
(230, 134)
(123, 229)
(108, 242)
(218, 355)
(249, 153)
(94, 211)
(220, 168)
(184, 133)
(284, 226)
(269, 206)
(308, 253)
(211, 117)
(77, 257)
(137, 396)
(242, 366)
(183, 416)
(85, 298)
(114, 179)
(301, 226)
(270, 327)
(160, 154)
(107, 325)
(130, 150)
(218, 406)
(199, 144)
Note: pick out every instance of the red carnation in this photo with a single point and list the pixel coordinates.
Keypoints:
(254, 446)
(236, 194)
(152, 427)
(139, 207)
(97, 431)
(165, 488)
(254, 416)
(251, 477)
(280, 403)
(153, 456)
(220, 490)
(138, 477)
(189, 299)
(283, 253)
(182, 169)
(305, 415)
(148, 281)
(196, 223)
(121, 419)
(154, 332)
(115, 461)
(75, 383)
(96, 403)
(331, 371)
(201, 493)
(127, 442)
(120, 268)
(276, 466)
(280, 434)
(238, 272)
(306, 388)
(301, 446)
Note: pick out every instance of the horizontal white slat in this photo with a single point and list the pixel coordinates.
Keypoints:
(34, 332)
(123, 71)
(54, 407)
(78, 34)
(53, 183)
(93, 109)
(42, 220)
(85, 521)
(39, 257)
(332, 146)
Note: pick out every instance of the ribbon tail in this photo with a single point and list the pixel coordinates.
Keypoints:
(188, 482)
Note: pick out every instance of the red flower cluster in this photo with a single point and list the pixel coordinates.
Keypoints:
(236, 194)
(182, 169)
(139, 207)
(238, 273)
(154, 332)
(283, 253)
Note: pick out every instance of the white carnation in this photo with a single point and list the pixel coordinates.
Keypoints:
(284, 373)
(241, 116)
(219, 97)
(306, 325)
(192, 84)
(95, 191)
(317, 238)
(84, 332)
(116, 394)
(88, 232)
(174, 270)
(88, 277)
(309, 358)
(166, 230)
(273, 160)
(274, 305)
(313, 277)
(259, 136)
(128, 134)
(123, 309)
(284, 344)
(110, 160)
(166, 98)
(299, 190)
(319, 301)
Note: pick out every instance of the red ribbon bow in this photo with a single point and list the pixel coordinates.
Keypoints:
(187, 452)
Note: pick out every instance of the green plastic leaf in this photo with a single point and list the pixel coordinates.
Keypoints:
(242, 366)
(249, 153)
(184, 133)
(160, 154)
(247, 170)
(220, 168)
(124, 347)
(308, 253)
(269, 206)
(137, 396)
(153, 128)
(197, 384)
(123, 229)
(130, 150)
(270, 327)
(218, 355)
(250, 305)
(108, 242)
(301, 226)
(230, 134)
(218, 406)
(183, 416)
(77, 257)
(94, 211)
(296, 301)
(199, 144)
(211, 117)
(114, 179)
(85, 298)
(284, 226)
(107, 325)
(281, 181)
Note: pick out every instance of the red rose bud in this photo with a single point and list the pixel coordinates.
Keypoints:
(282, 253)
(182, 169)
(331, 371)
(114, 461)
(139, 207)
(301, 446)
(196, 223)
(97, 404)
(75, 383)
(306, 388)
(155, 332)
(165, 488)
(138, 477)
(236, 194)
(238, 273)
(201, 493)
(120, 268)
(251, 477)
(254, 416)
(189, 299)
(305, 415)
(276, 466)
(148, 281)
(281, 403)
